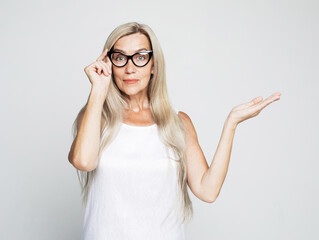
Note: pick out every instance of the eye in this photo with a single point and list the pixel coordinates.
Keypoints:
(120, 58)
(141, 57)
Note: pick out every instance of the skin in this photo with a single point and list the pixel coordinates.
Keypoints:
(85, 147)
(206, 181)
(138, 112)
(203, 180)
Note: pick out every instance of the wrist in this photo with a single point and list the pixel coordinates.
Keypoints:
(231, 121)
(97, 96)
(98, 92)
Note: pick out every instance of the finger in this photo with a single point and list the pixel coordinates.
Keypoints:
(273, 97)
(276, 96)
(102, 56)
(107, 68)
(108, 61)
(89, 67)
(267, 101)
(254, 101)
(257, 104)
(92, 67)
(98, 68)
(105, 72)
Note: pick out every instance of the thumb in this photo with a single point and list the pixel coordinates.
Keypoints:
(255, 101)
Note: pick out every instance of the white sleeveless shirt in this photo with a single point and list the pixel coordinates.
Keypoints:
(133, 193)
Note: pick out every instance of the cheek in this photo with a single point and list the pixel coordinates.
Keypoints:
(116, 76)
(148, 71)
(117, 73)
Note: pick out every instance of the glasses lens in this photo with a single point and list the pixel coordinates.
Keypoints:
(118, 59)
(141, 59)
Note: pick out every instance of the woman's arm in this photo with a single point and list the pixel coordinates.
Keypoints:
(84, 150)
(214, 177)
(206, 182)
(86, 145)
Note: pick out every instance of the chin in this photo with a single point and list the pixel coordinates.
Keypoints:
(131, 90)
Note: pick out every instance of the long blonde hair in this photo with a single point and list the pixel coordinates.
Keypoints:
(171, 128)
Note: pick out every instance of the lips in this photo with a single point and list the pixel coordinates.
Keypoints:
(130, 80)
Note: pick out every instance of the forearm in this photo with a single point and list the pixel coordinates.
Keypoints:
(214, 177)
(86, 144)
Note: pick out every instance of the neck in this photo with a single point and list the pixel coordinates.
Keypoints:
(137, 103)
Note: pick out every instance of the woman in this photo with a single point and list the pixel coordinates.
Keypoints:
(134, 152)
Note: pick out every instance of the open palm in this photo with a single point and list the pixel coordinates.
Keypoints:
(252, 108)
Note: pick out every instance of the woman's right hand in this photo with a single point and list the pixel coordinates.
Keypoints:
(100, 72)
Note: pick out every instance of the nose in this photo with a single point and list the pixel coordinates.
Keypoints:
(130, 67)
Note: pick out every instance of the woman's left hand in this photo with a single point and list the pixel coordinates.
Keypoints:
(251, 109)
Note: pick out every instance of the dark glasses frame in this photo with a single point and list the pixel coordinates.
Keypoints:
(150, 53)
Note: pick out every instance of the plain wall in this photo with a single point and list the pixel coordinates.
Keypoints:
(218, 54)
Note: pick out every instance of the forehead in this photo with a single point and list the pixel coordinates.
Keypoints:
(131, 43)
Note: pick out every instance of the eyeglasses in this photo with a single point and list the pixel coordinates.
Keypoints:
(140, 59)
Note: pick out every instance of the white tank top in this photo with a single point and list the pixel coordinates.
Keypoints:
(133, 193)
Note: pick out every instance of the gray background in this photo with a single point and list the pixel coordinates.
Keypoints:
(219, 54)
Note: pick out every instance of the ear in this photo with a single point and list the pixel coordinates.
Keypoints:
(152, 69)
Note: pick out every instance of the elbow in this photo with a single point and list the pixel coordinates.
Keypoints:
(212, 195)
(210, 198)
(82, 165)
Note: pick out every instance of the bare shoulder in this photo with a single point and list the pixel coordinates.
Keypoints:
(184, 117)
(187, 123)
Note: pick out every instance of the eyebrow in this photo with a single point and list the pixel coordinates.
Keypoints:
(119, 50)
